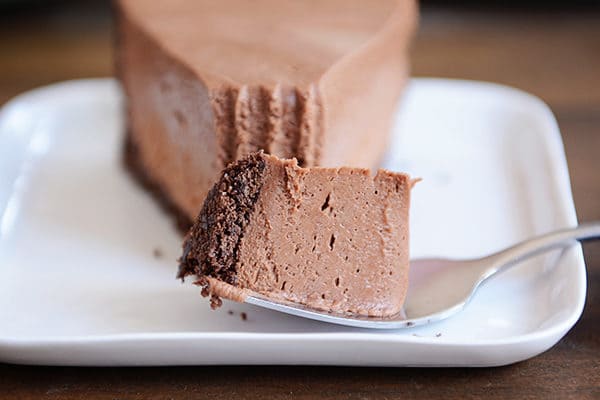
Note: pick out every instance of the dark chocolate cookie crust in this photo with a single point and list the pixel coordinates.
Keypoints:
(211, 246)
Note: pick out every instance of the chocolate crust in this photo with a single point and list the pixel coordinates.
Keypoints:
(211, 247)
(133, 164)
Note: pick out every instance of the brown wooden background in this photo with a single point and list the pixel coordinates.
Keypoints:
(552, 54)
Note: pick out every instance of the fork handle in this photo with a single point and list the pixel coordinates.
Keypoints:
(507, 258)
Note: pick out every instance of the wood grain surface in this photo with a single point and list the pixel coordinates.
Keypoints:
(555, 56)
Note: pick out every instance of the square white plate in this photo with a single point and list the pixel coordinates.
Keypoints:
(79, 284)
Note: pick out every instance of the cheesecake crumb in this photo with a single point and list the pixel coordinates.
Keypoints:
(215, 302)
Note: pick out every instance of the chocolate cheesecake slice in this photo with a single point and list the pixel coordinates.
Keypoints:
(334, 239)
(208, 82)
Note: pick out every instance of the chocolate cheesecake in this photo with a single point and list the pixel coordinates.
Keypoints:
(333, 239)
(208, 82)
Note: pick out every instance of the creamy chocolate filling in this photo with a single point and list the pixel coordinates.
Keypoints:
(334, 239)
(208, 82)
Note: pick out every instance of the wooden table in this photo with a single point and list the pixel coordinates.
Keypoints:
(555, 56)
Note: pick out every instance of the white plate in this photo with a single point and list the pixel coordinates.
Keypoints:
(79, 284)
